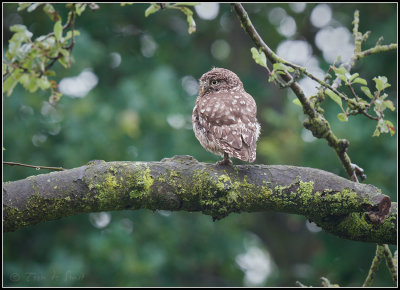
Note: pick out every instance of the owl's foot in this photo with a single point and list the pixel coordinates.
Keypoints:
(226, 161)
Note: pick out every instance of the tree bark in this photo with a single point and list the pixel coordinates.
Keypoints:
(344, 208)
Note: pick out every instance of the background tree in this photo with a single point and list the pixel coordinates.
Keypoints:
(127, 118)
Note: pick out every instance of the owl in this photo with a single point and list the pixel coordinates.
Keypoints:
(224, 117)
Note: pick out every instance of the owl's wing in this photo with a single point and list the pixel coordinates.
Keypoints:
(231, 124)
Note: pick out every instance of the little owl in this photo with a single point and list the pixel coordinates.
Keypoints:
(224, 117)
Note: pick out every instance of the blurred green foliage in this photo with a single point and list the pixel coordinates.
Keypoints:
(140, 109)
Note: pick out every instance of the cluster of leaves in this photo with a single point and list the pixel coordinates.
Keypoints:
(357, 104)
(154, 7)
(278, 68)
(28, 61)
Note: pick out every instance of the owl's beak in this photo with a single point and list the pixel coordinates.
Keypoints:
(202, 90)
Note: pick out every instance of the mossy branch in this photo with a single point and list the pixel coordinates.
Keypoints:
(344, 208)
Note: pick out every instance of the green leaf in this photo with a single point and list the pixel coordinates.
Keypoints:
(11, 81)
(69, 34)
(189, 19)
(259, 57)
(33, 6)
(271, 77)
(50, 73)
(282, 67)
(341, 73)
(79, 8)
(192, 24)
(334, 97)
(4, 68)
(353, 76)
(359, 81)
(58, 29)
(43, 83)
(376, 133)
(391, 128)
(65, 59)
(28, 81)
(51, 12)
(389, 104)
(21, 34)
(153, 8)
(342, 117)
(297, 102)
(18, 28)
(384, 126)
(342, 77)
(22, 6)
(367, 92)
(340, 70)
(381, 83)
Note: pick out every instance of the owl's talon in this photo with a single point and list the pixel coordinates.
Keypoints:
(226, 161)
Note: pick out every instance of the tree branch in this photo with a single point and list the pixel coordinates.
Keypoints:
(374, 266)
(315, 122)
(338, 205)
(390, 263)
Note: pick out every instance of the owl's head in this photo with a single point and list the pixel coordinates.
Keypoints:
(219, 79)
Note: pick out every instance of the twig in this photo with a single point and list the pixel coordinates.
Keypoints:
(272, 57)
(369, 116)
(390, 263)
(376, 49)
(374, 266)
(32, 166)
(66, 25)
(71, 22)
(353, 92)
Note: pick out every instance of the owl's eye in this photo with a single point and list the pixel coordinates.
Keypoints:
(214, 82)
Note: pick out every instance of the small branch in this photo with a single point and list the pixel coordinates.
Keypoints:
(358, 171)
(271, 56)
(72, 24)
(32, 166)
(392, 266)
(66, 25)
(53, 60)
(321, 82)
(369, 116)
(353, 92)
(374, 266)
(374, 50)
(358, 53)
(357, 35)
(51, 63)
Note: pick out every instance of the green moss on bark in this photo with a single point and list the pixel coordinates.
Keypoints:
(37, 208)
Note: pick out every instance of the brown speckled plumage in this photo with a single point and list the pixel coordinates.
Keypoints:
(224, 117)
